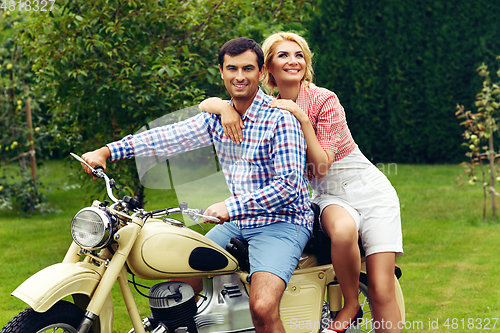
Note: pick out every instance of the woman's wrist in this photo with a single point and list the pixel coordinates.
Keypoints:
(227, 110)
(304, 120)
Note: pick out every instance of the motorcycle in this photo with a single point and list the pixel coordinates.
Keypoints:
(117, 239)
(114, 240)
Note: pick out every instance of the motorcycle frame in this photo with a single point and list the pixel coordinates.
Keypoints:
(90, 284)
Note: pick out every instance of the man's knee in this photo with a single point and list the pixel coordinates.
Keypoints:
(265, 295)
(264, 310)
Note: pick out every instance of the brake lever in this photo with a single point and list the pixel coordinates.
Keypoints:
(196, 214)
(210, 218)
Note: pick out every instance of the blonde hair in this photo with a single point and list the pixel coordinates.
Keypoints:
(269, 47)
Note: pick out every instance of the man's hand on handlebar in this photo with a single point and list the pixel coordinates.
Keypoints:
(219, 211)
(96, 158)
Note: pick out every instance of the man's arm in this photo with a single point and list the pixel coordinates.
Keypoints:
(166, 140)
(288, 183)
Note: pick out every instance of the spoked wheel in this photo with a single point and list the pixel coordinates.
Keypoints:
(63, 317)
(365, 325)
(364, 301)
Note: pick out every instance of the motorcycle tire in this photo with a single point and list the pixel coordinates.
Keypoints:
(364, 301)
(63, 317)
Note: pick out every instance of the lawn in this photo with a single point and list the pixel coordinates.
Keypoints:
(450, 269)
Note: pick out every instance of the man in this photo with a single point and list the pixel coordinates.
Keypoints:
(269, 206)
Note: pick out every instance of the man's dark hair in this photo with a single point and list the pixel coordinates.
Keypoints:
(238, 46)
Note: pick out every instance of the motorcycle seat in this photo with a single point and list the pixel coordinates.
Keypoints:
(319, 245)
(239, 250)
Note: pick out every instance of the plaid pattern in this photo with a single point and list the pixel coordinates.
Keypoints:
(328, 120)
(265, 173)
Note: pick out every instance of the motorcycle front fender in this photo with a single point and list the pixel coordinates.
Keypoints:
(400, 299)
(50, 285)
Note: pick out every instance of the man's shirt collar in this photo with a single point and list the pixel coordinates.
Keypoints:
(253, 109)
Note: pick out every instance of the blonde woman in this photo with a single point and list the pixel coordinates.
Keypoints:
(355, 198)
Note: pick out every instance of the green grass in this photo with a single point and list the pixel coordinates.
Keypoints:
(450, 267)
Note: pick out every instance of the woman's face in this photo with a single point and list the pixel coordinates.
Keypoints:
(288, 65)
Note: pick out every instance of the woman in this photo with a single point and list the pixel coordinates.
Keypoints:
(354, 196)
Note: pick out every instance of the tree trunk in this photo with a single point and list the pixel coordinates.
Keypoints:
(30, 139)
(491, 158)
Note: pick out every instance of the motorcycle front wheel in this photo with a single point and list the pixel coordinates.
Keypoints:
(63, 317)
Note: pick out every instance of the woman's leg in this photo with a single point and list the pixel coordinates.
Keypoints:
(381, 288)
(343, 233)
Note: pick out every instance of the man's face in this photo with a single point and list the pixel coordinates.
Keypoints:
(241, 76)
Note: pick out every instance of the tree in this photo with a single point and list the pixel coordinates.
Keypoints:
(481, 127)
(111, 67)
(19, 189)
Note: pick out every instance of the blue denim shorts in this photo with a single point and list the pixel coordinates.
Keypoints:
(275, 248)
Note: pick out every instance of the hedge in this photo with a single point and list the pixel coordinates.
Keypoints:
(400, 68)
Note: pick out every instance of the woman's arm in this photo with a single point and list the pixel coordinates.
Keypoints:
(318, 159)
(230, 118)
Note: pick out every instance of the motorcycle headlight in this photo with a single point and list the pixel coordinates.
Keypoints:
(92, 228)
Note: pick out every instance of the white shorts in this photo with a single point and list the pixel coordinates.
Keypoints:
(373, 204)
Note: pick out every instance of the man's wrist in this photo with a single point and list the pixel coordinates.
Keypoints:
(234, 206)
(104, 152)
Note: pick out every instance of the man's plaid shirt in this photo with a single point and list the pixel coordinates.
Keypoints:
(265, 173)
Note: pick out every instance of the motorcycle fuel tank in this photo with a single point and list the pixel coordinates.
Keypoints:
(165, 251)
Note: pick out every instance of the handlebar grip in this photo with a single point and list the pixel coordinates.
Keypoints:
(99, 168)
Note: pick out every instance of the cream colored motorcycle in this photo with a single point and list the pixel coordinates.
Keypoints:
(118, 240)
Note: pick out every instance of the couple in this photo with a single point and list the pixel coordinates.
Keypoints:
(269, 206)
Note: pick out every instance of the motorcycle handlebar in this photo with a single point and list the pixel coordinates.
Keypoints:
(98, 172)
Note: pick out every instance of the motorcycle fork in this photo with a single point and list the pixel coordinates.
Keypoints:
(116, 271)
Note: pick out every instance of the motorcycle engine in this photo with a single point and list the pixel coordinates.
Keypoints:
(173, 304)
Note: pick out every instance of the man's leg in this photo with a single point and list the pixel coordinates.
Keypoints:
(265, 296)
(274, 251)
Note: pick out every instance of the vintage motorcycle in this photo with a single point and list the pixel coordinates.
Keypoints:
(112, 241)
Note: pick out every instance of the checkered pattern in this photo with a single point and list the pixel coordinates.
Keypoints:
(328, 120)
(265, 173)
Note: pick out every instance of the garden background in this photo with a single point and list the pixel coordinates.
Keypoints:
(90, 72)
